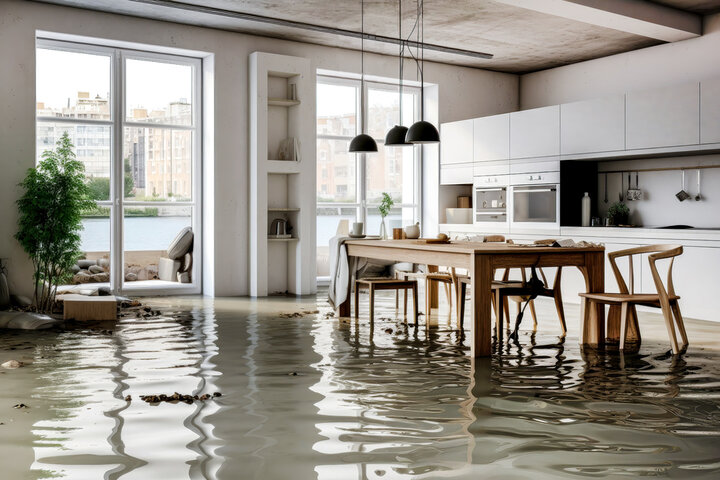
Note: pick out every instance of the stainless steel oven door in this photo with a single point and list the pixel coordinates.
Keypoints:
(535, 206)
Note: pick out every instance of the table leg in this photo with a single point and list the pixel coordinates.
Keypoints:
(594, 272)
(481, 274)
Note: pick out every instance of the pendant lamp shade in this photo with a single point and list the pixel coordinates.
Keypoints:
(363, 143)
(396, 137)
(422, 132)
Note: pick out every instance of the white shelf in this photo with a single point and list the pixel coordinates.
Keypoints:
(283, 239)
(273, 209)
(282, 102)
(285, 167)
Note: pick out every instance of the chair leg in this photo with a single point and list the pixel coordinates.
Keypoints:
(397, 299)
(499, 300)
(357, 300)
(587, 306)
(680, 323)
(415, 302)
(461, 305)
(667, 313)
(560, 311)
(404, 303)
(506, 308)
(372, 303)
(448, 293)
(534, 315)
(623, 324)
(428, 309)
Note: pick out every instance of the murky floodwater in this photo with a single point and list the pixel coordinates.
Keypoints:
(313, 397)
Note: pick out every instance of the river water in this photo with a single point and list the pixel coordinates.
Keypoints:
(314, 397)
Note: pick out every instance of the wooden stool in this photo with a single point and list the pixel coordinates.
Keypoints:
(373, 284)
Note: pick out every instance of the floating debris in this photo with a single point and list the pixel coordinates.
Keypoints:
(176, 397)
(128, 398)
(291, 315)
(329, 314)
(388, 330)
(12, 364)
(20, 405)
(293, 374)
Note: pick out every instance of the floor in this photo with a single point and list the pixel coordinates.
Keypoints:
(306, 395)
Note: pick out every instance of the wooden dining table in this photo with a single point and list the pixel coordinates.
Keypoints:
(481, 260)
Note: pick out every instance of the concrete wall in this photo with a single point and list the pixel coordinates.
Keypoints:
(662, 65)
(462, 93)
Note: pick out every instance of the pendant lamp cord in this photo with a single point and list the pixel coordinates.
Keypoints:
(362, 66)
(402, 60)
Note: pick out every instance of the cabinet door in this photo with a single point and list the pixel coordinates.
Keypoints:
(664, 117)
(591, 126)
(456, 174)
(710, 111)
(456, 142)
(492, 138)
(535, 133)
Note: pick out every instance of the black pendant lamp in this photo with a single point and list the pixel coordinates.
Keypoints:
(422, 131)
(362, 143)
(396, 135)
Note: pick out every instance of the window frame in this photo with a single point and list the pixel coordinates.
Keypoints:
(361, 205)
(117, 124)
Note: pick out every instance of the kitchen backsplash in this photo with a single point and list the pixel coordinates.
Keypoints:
(659, 206)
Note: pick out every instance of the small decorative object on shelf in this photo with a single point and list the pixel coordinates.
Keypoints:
(289, 149)
(618, 213)
(385, 205)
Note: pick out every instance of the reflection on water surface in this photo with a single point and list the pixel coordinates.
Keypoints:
(314, 397)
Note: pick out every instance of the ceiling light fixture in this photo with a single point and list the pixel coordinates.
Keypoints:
(396, 135)
(362, 143)
(422, 131)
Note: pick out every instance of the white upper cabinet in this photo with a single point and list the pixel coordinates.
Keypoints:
(456, 142)
(592, 126)
(663, 117)
(710, 111)
(492, 138)
(535, 133)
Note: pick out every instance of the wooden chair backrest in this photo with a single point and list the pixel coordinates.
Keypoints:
(657, 252)
(493, 238)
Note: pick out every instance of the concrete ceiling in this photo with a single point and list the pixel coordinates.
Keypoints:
(520, 39)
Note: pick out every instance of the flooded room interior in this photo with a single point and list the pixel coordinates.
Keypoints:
(359, 239)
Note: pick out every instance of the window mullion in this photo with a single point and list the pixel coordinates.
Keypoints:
(117, 172)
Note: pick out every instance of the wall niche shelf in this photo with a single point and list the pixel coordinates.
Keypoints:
(283, 102)
(282, 189)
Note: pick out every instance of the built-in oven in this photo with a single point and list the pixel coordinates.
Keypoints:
(491, 200)
(534, 200)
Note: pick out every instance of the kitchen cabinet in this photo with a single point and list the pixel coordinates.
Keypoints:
(663, 117)
(592, 126)
(456, 174)
(456, 142)
(535, 132)
(491, 138)
(710, 111)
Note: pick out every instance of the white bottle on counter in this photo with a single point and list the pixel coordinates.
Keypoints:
(586, 210)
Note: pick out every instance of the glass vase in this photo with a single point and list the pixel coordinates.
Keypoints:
(383, 230)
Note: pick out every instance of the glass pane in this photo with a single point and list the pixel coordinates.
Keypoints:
(94, 267)
(336, 110)
(92, 147)
(335, 172)
(383, 111)
(328, 223)
(158, 92)
(158, 164)
(148, 233)
(72, 85)
(391, 170)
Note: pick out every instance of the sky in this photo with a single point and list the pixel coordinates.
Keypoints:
(151, 85)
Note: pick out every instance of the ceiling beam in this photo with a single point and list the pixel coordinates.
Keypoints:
(639, 17)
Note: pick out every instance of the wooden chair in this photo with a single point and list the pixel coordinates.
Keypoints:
(627, 299)
(373, 284)
(513, 290)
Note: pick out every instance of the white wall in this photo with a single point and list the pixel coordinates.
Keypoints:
(462, 93)
(668, 64)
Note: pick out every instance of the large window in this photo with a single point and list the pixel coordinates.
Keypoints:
(350, 186)
(133, 119)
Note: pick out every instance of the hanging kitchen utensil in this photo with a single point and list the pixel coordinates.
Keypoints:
(622, 187)
(634, 193)
(682, 195)
(606, 197)
(698, 197)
